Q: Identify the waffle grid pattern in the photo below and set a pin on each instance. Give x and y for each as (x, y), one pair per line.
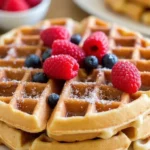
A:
(86, 99)
(20, 43)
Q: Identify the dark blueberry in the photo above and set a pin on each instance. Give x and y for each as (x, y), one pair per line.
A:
(91, 62)
(46, 54)
(52, 100)
(76, 38)
(33, 61)
(109, 60)
(40, 77)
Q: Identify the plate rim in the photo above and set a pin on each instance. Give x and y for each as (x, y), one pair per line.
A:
(116, 17)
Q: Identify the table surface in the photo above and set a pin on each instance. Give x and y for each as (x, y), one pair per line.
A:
(64, 8)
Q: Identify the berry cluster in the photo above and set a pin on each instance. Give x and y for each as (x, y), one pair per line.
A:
(64, 57)
(18, 5)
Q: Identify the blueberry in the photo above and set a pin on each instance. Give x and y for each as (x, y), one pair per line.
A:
(46, 54)
(76, 38)
(109, 60)
(40, 77)
(53, 99)
(33, 61)
(91, 62)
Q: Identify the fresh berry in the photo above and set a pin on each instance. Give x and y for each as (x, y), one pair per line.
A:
(2, 2)
(66, 47)
(16, 5)
(96, 44)
(126, 77)
(51, 34)
(91, 62)
(76, 39)
(40, 77)
(52, 100)
(33, 61)
(109, 60)
(61, 67)
(33, 3)
(46, 54)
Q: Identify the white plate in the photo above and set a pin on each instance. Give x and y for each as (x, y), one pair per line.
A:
(97, 7)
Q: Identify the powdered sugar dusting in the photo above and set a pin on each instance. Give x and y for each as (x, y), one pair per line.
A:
(31, 93)
(11, 54)
(7, 80)
(88, 95)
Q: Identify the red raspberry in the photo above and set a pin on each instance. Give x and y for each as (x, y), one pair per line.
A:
(96, 44)
(1, 3)
(61, 67)
(33, 3)
(51, 34)
(126, 77)
(66, 47)
(16, 5)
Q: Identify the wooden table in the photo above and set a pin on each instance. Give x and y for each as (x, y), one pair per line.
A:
(64, 8)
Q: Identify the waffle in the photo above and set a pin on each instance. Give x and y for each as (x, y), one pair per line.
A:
(141, 132)
(19, 99)
(140, 9)
(126, 45)
(19, 43)
(86, 102)
(15, 139)
(118, 142)
(22, 98)
(141, 144)
(91, 98)
(143, 2)
(19, 140)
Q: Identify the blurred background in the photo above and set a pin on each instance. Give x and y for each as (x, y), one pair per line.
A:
(66, 8)
(116, 11)
(57, 8)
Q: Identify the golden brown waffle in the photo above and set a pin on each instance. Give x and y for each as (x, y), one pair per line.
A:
(126, 45)
(142, 132)
(143, 2)
(19, 140)
(141, 144)
(118, 142)
(87, 101)
(140, 9)
(22, 101)
(19, 96)
(89, 108)
(19, 43)
(15, 139)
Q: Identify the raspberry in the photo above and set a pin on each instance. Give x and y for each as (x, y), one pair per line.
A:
(33, 3)
(51, 34)
(1, 3)
(126, 77)
(96, 44)
(16, 5)
(66, 47)
(61, 67)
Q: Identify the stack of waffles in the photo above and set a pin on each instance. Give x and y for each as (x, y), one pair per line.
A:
(138, 10)
(91, 114)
